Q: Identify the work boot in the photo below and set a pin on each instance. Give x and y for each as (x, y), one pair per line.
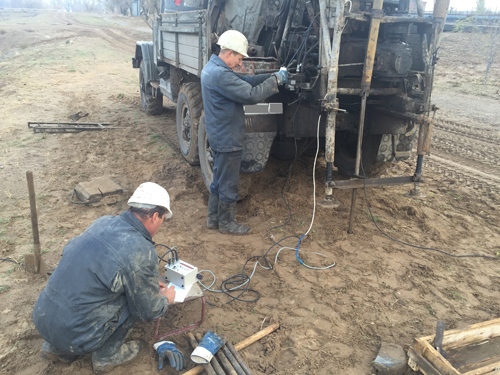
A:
(126, 354)
(53, 354)
(213, 210)
(227, 224)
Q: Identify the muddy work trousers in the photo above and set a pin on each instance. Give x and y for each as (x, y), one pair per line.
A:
(226, 175)
(106, 346)
(117, 339)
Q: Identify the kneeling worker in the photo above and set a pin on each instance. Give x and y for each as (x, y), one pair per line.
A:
(105, 282)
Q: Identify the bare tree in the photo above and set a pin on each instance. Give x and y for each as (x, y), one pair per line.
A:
(68, 5)
(32, 4)
(56, 4)
(91, 5)
(125, 7)
(109, 5)
(480, 7)
(485, 35)
(492, 44)
(151, 7)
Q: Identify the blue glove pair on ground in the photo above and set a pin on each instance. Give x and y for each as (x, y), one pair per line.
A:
(206, 349)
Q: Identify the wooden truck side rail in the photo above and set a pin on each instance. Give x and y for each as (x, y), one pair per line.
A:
(182, 39)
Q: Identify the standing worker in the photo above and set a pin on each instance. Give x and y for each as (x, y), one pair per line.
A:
(224, 94)
(106, 281)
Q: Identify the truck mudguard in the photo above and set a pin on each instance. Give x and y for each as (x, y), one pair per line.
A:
(145, 51)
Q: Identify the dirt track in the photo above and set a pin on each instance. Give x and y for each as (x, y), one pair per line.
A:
(332, 321)
(467, 153)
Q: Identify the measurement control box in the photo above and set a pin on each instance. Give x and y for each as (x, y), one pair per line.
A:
(181, 274)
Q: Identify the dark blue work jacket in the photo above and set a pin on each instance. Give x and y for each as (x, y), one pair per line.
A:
(224, 94)
(110, 266)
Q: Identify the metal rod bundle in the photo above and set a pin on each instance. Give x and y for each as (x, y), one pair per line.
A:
(209, 368)
(230, 354)
(217, 367)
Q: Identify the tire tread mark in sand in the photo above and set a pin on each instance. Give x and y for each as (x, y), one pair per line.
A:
(106, 33)
(490, 136)
(468, 153)
(485, 185)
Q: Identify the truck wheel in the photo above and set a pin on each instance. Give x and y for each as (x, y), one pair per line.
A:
(189, 108)
(345, 154)
(150, 105)
(207, 163)
(205, 152)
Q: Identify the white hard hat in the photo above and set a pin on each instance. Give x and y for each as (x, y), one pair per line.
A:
(150, 195)
(235, 41)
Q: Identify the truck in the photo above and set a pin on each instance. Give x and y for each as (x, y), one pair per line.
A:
(360, 75)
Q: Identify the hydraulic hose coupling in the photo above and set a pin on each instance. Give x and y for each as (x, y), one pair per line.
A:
(207, 348)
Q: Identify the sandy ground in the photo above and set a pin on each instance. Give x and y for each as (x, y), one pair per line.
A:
(331, 321)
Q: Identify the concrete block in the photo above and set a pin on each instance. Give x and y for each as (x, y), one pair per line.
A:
(391, 360)
(94, 190)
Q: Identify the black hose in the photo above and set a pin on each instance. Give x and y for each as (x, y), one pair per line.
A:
(308, 52)
(11, 260)
(281, 27)
(291, 12)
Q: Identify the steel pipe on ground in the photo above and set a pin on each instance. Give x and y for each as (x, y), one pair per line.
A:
(241, 345)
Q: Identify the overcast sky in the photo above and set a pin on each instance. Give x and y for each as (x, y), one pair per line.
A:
(467, 4)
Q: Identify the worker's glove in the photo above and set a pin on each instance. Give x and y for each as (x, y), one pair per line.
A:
(208, 346)
(282, 76)
(168, 348)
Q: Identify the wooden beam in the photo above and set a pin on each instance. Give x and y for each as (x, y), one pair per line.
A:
(434, 357)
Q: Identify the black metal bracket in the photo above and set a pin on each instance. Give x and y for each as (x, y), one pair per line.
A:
(417, 177)
(67, 127)
(371, 182)
(438, 340)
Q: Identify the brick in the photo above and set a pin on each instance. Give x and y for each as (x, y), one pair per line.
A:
(96, 189)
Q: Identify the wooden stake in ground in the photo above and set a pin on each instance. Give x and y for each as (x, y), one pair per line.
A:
(32, 261)
(240, 346)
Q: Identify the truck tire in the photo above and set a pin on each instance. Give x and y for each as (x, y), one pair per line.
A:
(345, 154)
(205, 153)
(207, 163)
(189, 108)
(150, 105)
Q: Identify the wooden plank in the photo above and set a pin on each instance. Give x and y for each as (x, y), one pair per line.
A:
(475, 356)
(473, 334)
(469, 335)
(485, 370)
(189, 28)
(183, 59)
(452, 339)
(434, 357)
(186, 39)
(183, 49)
(184, 16)
(170, 53)
(188, 69)
(189, 61)
(180, 29)
(423, 365)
